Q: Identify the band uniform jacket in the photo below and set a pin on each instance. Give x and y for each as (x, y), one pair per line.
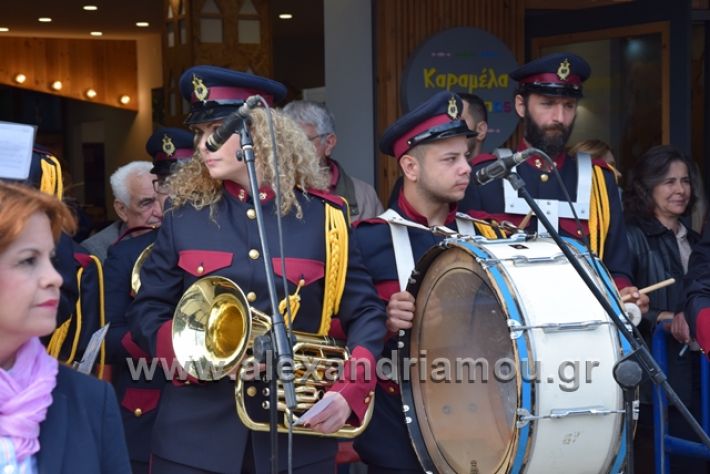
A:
(138, 394)
(82, 433)
(79, 302)
(197, 424)
(487, 202)
(386, 442)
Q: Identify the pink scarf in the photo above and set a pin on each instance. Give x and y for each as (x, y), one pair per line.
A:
(25, 395)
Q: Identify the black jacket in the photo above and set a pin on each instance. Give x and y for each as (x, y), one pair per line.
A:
(82, 432)
(655, 257)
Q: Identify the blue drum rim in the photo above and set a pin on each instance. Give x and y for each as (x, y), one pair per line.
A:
(526, 388)
(626, 349)
(403, 344)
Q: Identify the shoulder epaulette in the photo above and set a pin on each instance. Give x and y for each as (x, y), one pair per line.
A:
(327, 196)
(482, 158)
(82, 259)
(601, 163)
(372, 220)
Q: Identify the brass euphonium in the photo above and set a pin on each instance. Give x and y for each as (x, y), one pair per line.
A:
(136, 271)
(213, 333)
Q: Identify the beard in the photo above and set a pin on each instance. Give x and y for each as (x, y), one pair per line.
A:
(550, 139)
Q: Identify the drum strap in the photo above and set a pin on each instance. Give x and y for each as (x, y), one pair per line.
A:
(464, 224)
(403, 256)
(554, 208)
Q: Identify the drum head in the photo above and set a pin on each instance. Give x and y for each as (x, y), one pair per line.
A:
(461, 394)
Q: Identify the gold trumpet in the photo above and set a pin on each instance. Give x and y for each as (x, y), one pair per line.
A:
(213, 333)
(136, 271)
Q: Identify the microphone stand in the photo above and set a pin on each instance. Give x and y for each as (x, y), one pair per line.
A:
(640, 351)
(278, 347)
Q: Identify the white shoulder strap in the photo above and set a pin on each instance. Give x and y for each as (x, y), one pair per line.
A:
(553, 208)
(401, 244)
(464, 224)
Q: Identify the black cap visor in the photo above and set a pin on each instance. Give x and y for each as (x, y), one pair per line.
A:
(210, 111)
(162, 168)
(439, 132)
(552, 88)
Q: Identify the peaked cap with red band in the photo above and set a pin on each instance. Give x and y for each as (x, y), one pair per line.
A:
(215, 92)
(168, 146)
(554, 74)
(437, 118)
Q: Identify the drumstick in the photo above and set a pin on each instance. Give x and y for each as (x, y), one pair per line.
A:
(526, 220)
(650, 288)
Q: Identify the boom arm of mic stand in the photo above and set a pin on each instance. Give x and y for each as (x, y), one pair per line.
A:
(647, 362)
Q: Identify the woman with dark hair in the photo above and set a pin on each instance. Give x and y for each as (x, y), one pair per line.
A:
(658, 200)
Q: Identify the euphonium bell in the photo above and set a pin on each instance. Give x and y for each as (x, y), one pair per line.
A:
(213, 333)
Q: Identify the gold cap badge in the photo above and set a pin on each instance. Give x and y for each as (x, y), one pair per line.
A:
(453, 110)
(564, 70)
(168, 145)
(199, 88)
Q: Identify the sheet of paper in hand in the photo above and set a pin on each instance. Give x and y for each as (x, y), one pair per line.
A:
(321, 405)
(92, 350)
(16, 142)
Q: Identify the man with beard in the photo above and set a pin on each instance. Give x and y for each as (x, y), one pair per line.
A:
(546, 99)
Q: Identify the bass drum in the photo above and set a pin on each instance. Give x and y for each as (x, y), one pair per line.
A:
(508, 365)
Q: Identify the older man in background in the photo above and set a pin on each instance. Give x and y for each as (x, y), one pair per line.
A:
(319, 124)
(136, 203)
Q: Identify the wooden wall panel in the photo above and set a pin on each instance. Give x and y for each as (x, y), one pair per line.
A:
(229, 53)
(107, 66)
(401, 25)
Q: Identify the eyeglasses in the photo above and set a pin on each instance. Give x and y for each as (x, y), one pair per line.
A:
(160, 186)
(320, 135)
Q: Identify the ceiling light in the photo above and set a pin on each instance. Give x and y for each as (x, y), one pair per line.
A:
(44, 19)
(124, 99)
(142, 24)
(90, 8)
(90, 93)
(56, 85)
(20, 78)
(285, 16)
(4, 29)
(96, 33)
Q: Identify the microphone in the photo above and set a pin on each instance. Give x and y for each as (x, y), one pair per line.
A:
(505, 160)
(230, 124)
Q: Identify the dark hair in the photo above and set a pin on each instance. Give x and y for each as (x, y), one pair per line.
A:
(647, 173)
(478, 107)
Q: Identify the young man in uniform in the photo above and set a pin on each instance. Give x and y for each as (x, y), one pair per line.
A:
(431, 144)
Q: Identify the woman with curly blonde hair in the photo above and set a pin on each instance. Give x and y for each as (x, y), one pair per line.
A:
(298, 165)
(211, 230)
